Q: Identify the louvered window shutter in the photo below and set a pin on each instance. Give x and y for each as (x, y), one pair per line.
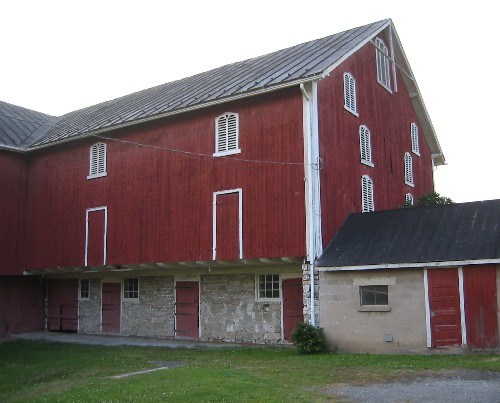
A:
(367, 203)
(408, 169)
(350, 93)
(97, 160)
(383, 75)
(414, 139)
(227, 140)
(409, 199)
(365, 144)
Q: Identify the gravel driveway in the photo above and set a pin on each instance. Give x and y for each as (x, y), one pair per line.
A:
(442, 387)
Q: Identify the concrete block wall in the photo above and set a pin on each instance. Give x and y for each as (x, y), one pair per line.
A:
(350, 330)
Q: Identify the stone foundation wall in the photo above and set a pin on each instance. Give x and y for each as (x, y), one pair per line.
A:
(90, 309)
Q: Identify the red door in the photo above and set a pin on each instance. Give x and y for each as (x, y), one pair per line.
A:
(480, 295)
(187, 309)
(62, 305)
(293, 305)
(111, 307)
(444, 304)
(227, 245)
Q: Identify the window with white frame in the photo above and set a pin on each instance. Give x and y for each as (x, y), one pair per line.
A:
(227, 134)
(383, 71)
(268, 286)
(409, 199)
(350, 94)
(374, 295)
(414, 139)
(409, 169)
(131, 288)
(84, 288)
(97, 166)
(367, 203)
(365, 146)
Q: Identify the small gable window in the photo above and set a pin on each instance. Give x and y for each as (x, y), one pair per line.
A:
(409, 199)
(97, 164)
(367, 204)
(350, 94)
(365, 146)
(227, 134)
(414, 139)
(383, 74)
(409, 170)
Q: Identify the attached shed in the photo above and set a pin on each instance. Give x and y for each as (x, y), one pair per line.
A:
(411, 279)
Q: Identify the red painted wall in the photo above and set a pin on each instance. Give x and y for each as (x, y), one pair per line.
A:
(160, 201)
(388, 117)
(12, 182)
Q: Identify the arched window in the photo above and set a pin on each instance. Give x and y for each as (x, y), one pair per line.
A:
(409, 199)
(367, 204)
(383, 72)
(365, 146)
(227, 134)
(350, 94)
(414, 138)
(97, 166)
(408, 169)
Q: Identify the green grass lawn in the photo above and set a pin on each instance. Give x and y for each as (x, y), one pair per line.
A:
(38, 371)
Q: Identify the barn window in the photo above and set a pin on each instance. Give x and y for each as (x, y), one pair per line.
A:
(374, 295)
(382, 56)
(414, 138)
(365, 146)
(409, 199)
(97, 164)
(268, 286)
(84, 288)
(227, 134)
(350, 94)
(409, 170)
(367, 204)
(131, 288)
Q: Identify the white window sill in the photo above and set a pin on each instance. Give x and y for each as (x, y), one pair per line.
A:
(351, 111)
(389, 90)
(415, 152)
(374, 308)
(410, 184)
(225, 153)
(97, 175)
(368, 163)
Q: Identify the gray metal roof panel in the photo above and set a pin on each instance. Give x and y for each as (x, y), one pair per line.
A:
(301, 62)
(457, 232)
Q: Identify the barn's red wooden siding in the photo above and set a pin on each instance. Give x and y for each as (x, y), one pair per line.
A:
(160, 202)
(388, 117)
(12, 182)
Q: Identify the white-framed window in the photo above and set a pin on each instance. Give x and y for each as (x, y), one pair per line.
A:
(350, 94)
(227, 134)
(409, 169)
(414, 139)
(409, 199)
(383, 70)
(367, 203)
(84, 288)
(268, 287)
(97, 161)
(131, 288)
(373, 295)
(365, 146)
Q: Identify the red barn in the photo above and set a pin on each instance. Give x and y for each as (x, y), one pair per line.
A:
(198, 208)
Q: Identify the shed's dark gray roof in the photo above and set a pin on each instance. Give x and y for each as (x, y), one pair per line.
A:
(21, 127)
(450, 233)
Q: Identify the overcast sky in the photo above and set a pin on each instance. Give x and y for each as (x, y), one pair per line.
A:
(60, 56)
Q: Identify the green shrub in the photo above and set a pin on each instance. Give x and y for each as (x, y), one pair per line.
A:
(309, 339)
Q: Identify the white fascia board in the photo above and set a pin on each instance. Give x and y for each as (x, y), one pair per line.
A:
(450, 263)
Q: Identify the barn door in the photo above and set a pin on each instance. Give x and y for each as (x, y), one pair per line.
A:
(62, 305)
(444, 307)
(227, 232)
(480, 294)
(111, 307)
(187, 309)
(95, 239)
(292, 305)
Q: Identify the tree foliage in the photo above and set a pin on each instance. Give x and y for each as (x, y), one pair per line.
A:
(433, 199)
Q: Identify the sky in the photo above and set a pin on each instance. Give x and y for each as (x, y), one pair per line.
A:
(59, 56)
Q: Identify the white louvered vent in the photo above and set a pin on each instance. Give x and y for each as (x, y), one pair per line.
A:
(227, 134)
(408, 170)
(414, 139)
(367, 203)
(383, 74)
(97, 161)
(350, 94)
(365, 146)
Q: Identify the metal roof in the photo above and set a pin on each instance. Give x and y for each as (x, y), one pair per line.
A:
(21, 127)
(417, 237)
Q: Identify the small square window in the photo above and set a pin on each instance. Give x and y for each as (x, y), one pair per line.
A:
(84, 289)
(268, 286)
(131, 288)
(374, 295)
